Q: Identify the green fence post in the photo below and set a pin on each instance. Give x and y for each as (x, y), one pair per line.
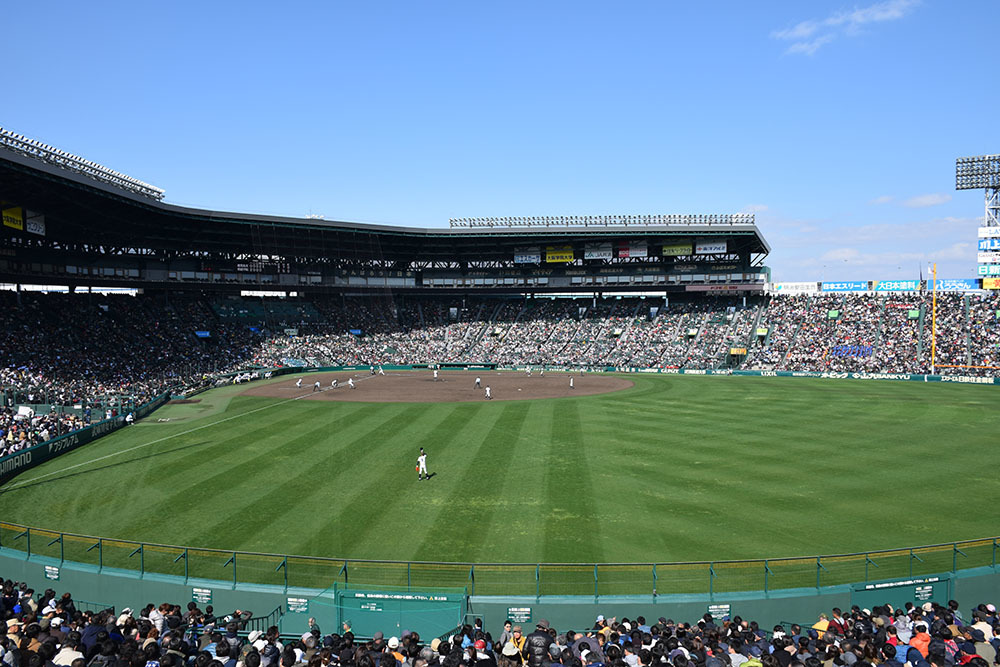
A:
(767, 572)
(654, 579)
(595, 582)
(138, 550)
(538, 582)
(99, 545)
(472, 578)
(819, 566)
(232, 560)
(912, 557)
(343, 571)
(61, 549)
(407, 576)
(993, 564)
(711, 581)
(954, 557)
(184, 555)
(869, 561)
(283, 565)
(27, 533)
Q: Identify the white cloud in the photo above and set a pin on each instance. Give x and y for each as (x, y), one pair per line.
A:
(884, 199)
(810, 35)
(811, 47)
(824, 250)
(803, 30)
(923, 201)
(754, 208)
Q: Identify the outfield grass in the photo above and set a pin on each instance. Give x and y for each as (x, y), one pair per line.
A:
(676, 468)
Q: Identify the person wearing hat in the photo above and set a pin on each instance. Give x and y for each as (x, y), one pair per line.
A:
(536, 645)
(479, 656)
(511, 652)
(393, 645)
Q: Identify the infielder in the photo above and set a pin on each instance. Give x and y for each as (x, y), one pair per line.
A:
(478, 383)
(435, 375)
(334, 383)
(422, 465)
(350, 382)
(316, 386)
(381, 371)
(298, 383)
(489, 396)
(570, 381)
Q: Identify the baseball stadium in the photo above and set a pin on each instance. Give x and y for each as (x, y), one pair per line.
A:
(616, 411)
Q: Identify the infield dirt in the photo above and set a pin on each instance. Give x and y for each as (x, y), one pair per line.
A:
(451, 386)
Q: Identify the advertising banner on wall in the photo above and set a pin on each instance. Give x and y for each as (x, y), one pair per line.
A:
(13, 218)
(849, 286)
(527, 256)
(677, 249)
(34, 223)
(954, 284)
(632, 249)
(597, 251)
(989, 244)
(897, 285)
(794, 288)
(991, 283)
(710, 247)
(557, 254)
(988, 270)
(988, 257)
(989, 232)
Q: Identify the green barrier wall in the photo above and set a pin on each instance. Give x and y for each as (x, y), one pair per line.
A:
(433, 612)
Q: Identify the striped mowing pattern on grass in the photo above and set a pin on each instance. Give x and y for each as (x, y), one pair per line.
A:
(677, 468)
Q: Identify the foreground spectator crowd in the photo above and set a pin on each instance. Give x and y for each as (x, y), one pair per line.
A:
(93, 356)
(47, 630)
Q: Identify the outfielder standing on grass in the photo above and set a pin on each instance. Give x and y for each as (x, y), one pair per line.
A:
(422, 465)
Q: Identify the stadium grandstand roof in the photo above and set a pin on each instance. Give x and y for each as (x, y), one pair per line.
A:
(108, 216)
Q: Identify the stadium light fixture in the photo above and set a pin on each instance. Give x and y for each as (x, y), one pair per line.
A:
(981, 172)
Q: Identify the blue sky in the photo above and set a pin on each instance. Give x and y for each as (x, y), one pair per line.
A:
(837, 123)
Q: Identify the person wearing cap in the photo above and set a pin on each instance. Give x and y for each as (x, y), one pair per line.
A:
(536, 645)
(479, 656)
(393, 645)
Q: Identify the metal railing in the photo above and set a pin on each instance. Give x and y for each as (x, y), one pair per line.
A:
(533, 579)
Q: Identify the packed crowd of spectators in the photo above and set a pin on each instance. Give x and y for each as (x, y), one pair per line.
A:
(50, 631)
(88, 353)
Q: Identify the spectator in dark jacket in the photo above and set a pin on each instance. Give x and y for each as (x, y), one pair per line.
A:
(536, 645)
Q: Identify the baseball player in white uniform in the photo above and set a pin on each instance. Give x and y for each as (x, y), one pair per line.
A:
(489, 395)
(298, 383)
(422, 465)
(350, 382)
(570, 381)
(479, 384)
(316, 386)
(435, 375)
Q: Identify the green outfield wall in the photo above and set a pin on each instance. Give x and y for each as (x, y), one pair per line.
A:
(438, 611)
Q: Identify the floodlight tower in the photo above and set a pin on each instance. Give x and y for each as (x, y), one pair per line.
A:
(981, 173)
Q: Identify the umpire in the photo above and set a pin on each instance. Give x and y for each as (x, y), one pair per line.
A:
(536, 645)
